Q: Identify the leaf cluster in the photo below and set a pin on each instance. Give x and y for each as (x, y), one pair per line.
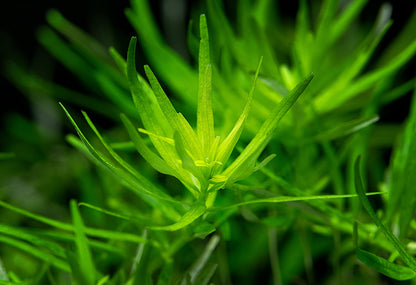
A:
(211, 168)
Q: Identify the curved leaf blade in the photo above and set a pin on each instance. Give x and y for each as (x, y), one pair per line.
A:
(385, 267)
(407, 258)
(188, 218)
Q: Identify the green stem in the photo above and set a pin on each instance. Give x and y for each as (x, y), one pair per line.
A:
(274, 257)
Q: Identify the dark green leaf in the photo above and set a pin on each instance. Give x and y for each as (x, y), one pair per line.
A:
(385, 267)
(407, 258)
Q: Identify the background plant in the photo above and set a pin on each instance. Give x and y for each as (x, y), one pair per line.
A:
(316, 145)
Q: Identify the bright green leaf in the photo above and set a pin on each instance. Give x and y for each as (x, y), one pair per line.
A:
(205, 118)
(152, 158)
(227, 145)
(69, 227)
(187, 219)
(245, 162)
(285, 199)
(84, 256)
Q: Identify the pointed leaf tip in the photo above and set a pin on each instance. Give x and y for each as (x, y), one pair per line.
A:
(131, 51)
(203, 27)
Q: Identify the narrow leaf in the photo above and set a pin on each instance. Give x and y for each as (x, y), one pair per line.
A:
(168, 210)
(203, 259)
(143, 96)
(69, 227)
(34, 251)
(69, 58)
(205, 118)
(187, 161)
(188, 164)
(341, 23)
(77, 36)
(188, 132)
(402, 200)
(184, 80)
(245, 162)
(119, 60)
(188, 135)
(54, 248)
(285, 199)
(204, 56)
(358, 60)
(407, 258)
(206, 275)
(368, 80)
(115, 93)
(347, 128)
(138, 256)
(385, 267)
(187, 219)
(167, 108)
(232, 138)
(264, 162)
(105, 211)
(69, 237)
(149, 110)
(138, 182)
(103, 280)
(152, 158)
(86, 264)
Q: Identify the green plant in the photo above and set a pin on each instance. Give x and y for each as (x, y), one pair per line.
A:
(272, 185)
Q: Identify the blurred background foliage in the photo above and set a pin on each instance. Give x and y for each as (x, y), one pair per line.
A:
(44, 172)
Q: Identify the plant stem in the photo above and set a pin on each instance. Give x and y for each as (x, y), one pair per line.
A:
(274, 257)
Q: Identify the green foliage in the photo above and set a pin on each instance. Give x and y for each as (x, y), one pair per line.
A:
(242, 163)
(402, 201)
(385, 267)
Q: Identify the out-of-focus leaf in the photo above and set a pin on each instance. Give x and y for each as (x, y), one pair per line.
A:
(18, 233)
(201, 262)
(347, 128)
(385, 267)
(285, 199)
(3, 272)
(85, 263)
(227, 145)
(171, 68)
(166, 274)
(6, 155)
(407, 258)
(69, 227)
(402, 200)
(35, 251)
